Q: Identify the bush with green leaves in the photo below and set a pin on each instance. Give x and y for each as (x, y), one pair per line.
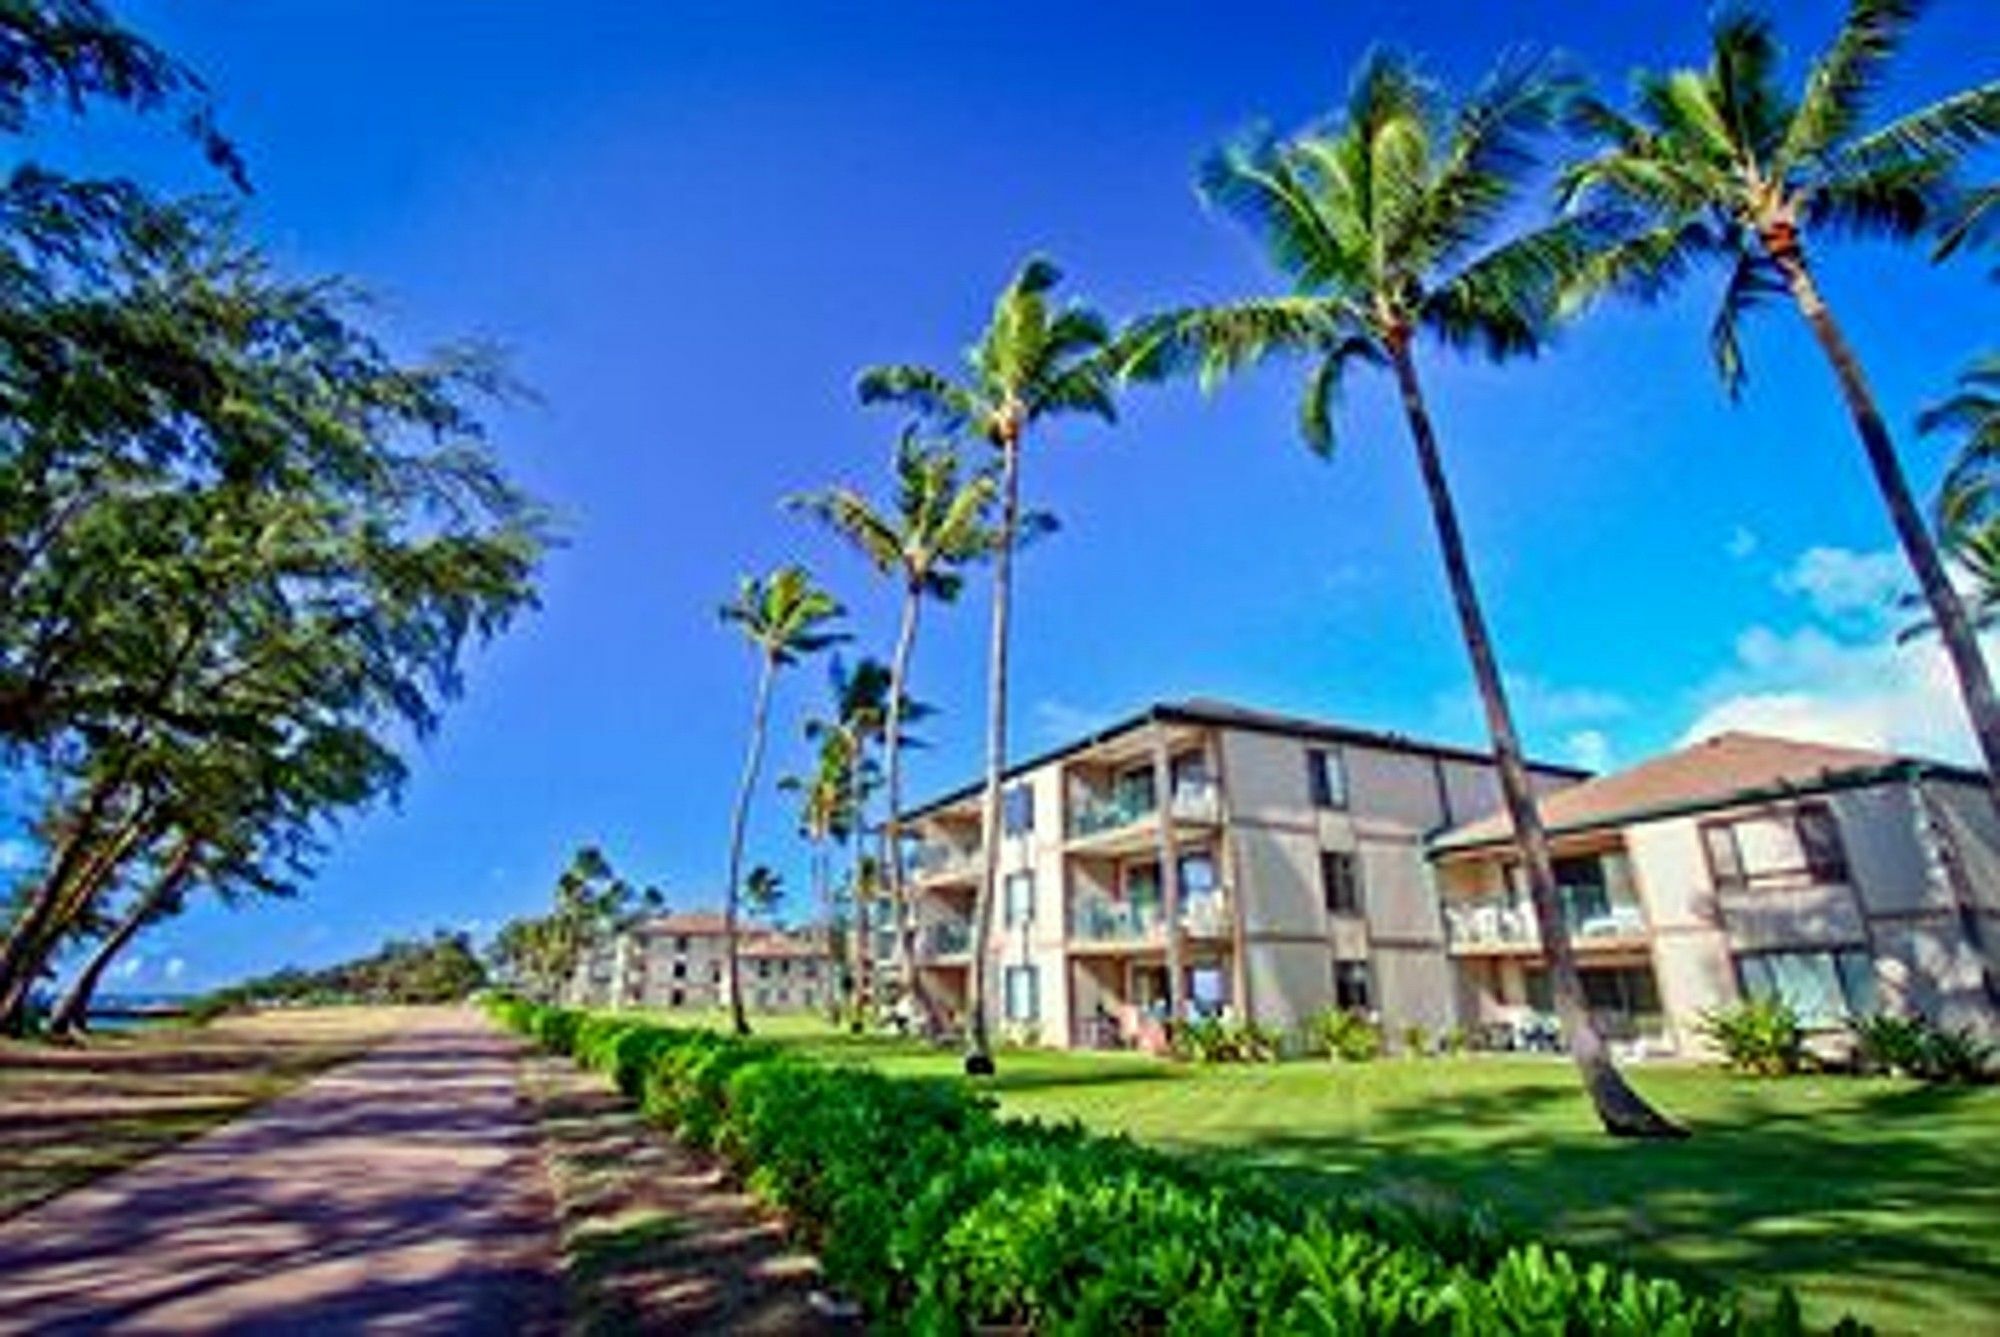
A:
(1757, 1035)
(1213, 1040)
(1345, 1034)
(942, 1217)
(1916, 1046)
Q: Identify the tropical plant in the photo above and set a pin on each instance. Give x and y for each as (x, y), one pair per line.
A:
(1383, 222)
(785, 616)
(937, 523)
(763, 890)
(1968, 504)
(1757, 1035)
(1724, 166)
(825, 818)
(1916, 1046)
(1034, 361)
(1345, 1034)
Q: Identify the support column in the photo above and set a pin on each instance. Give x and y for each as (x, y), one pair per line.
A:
(1168, 850)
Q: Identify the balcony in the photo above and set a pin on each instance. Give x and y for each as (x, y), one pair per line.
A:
(1099, 920)
(1194, 800)
(940, 861)
(946, 937)
(1491, 923)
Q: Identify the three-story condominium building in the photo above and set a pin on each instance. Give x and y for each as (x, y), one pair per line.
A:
(681, 960)
(1277, 862)
(1841, 880)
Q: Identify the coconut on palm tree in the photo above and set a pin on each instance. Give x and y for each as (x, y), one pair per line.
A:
(1726, 166)
(1034, 361)
(936, 524)
(1386, 223)
(785, 616)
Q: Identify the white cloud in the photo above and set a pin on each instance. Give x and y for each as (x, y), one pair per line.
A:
(1589, 748)
(1840, 582)
(1537, 704)
(129, 968)
(16, 854)
(1742, 543)
(1842, 677)
(176, 967)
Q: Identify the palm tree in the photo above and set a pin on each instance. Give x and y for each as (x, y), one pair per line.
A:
(1968, 503)
(824, 819)
(1380, 221)
(937, 523)
(762, 890)
(1722, 165)
(785, 617)
(1033, 361)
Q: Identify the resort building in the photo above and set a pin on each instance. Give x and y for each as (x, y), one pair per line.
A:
(1277, 862)
(1841, 880)
(1232, 862)
(681, 960)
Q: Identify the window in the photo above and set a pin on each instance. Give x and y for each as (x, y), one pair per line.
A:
(1207, 991)
(1189, 775)
(1023, 994)
(715, 970)
(1822, 987)
(1017, 810)
(1819, 839)
(1133, 791)
(1326, 776)
(1020, 899)
(1197, 874)
(1340, 880)
(1725, 856)
(681, 943)
(680, 970)
(1352, 989)
(678, 997)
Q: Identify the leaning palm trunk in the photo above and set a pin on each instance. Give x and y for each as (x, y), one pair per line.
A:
(54, 910)
(892, 840)
(1954, 628)
(978, 1043)
(72, 1015)
(1622, 1110)
(737, 825)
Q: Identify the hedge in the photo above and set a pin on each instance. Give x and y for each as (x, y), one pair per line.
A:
(940, 1216)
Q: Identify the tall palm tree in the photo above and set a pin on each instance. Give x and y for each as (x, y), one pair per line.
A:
(1725, 166)
(1381, 221)
(785, 616)
(936, 524)
(1968, 502)
(824, 819)
(1033, 361)
(861, 708)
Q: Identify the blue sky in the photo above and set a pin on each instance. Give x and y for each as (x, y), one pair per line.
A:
(693, 223)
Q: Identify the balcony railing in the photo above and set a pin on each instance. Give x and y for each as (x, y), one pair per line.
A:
(1498, 921)
(934, 857)
(1193, 801)
(1100, 919)
(946, 937)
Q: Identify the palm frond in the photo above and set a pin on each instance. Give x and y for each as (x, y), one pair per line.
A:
(850, 514)
(1751, 279)
(1262, 189)
(1212, 342)
(1492, 149)
(928, 392)
(1895, 198)
(1846, 77)
(1948, 128)
(1321, 401)
(1971, 219)
(1639, 263)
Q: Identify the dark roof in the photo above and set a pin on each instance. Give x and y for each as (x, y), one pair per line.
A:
(1225, 715)
(1721, 772)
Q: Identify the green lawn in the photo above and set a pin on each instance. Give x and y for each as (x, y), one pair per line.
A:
(1874, 1196)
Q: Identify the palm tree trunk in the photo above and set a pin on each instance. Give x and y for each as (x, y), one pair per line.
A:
(892, 825)
(737, 826)
(978, 1043)
(863, 969)
(1961, 644)
(1623, 1112)
(73, 1013)
(18, 959)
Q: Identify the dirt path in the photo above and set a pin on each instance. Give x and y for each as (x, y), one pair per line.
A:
(656, 1238)
(402, 1192)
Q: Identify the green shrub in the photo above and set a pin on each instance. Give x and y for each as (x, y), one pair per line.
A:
(1916, 1046)
(942, 1217)
(1416, 1041)
(1344, 1034)
(1212, 1040)
(1757, 1035)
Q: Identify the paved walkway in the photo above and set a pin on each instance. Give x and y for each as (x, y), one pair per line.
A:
(402, 1192)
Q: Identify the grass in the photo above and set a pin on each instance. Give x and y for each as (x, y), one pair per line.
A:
(70, 1114)
(1877, 1197)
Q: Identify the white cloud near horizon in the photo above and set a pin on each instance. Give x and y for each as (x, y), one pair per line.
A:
(1742, 544)
(1841, 677)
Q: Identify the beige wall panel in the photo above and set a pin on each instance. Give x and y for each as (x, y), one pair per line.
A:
(1672, 873)
(1289, 982)
(1414, 988)
(1280, 871)
(1694, 971)
(1393, 787)
(1266, 776)
(1926, 966)
(1397, 894)
(1885, 853)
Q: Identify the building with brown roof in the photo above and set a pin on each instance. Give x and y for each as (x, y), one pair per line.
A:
(680, 961)
(1843, 880)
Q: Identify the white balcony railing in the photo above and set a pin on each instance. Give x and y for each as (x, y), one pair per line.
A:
(1100, 919)
(934, 858)
(1500, 921)
(1195, 799)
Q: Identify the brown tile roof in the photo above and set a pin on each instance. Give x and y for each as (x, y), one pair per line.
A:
(694, 923)
(782, 944)
(1713, 772)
